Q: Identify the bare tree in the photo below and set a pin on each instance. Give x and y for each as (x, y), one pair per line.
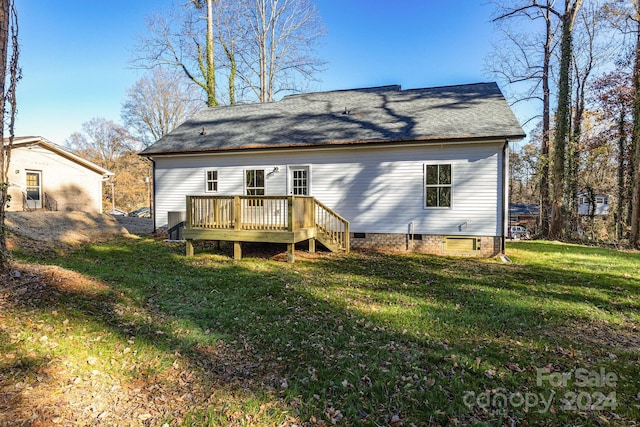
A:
(265, 47)
(594, 47)
(563, 118)
(8, 104)
(178, 39)
(158, 103)
(281, 37)
(524, 57)
(634, 237)
(101, 141)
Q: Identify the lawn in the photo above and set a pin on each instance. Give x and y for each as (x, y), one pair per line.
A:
(130, 332)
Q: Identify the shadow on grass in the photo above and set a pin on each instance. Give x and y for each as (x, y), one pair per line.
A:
(372, 335)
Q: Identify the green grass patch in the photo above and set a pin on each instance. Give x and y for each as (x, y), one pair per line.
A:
(363, 339)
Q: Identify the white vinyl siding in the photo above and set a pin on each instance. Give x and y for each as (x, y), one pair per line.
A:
(379, 190)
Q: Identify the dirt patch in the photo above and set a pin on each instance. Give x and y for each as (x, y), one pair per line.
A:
(48, 230)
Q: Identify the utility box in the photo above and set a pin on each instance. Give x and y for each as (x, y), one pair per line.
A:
(175, 224)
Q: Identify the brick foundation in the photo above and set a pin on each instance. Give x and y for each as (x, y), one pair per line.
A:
(429, 244)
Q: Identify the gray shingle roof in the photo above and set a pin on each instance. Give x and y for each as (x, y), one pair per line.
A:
(358, 116)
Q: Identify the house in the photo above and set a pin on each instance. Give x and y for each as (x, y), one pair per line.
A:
(525, 214)
(593, 204)
(45, 176)
(422, 170)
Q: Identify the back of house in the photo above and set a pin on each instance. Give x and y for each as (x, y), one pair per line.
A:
(421, 170)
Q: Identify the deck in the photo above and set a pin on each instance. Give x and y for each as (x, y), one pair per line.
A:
(267, 219)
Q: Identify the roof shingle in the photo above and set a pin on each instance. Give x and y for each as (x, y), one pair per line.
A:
(357, 116)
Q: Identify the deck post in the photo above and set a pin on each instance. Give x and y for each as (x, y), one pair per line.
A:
(237, 213)
(237, 225)
(189, 247)
(312, 245)
(291, 252)
(290, 215)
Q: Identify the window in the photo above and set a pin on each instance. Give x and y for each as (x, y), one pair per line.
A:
(211, 181)
(254, 182)
(254, 185)
(437, 186)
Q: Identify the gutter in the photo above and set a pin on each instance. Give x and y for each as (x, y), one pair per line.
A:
(504, 198)
(400, 142)
(152, 208)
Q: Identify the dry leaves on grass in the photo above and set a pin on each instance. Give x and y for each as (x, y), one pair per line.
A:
(46, 390)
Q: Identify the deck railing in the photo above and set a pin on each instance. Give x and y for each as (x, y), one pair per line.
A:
(331, 226)
(270, 213)
(267, 213)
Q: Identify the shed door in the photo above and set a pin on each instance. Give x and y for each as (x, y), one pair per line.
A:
(34, 189)
(299, 181)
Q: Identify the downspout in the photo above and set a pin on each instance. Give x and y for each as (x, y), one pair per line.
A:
(505, 194)
(153, 195)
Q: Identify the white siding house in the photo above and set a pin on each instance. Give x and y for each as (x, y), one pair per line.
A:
(407, 169)
(45, 176)
(595, 204)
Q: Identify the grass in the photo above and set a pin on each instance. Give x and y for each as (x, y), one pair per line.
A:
(363, 339)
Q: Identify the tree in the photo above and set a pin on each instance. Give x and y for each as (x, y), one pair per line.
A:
(110, 145)
(281, 36)
(563, 118)
(158, 103)
(524, 57)
(8, 68)
(613, 96)
(634, 237)
(593, 48)
(266, 47)
(101, 141)
(178, 40)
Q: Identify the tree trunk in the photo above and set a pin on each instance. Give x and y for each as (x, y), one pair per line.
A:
(634, 238)
(563, 119)
(5, 25)
(233, 70)
(620, 217)
(211, 67)
(546, 131)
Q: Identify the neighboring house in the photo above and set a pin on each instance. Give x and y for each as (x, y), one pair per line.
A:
(525, 214)
(596, 204)
(421, 169)
(43, 175)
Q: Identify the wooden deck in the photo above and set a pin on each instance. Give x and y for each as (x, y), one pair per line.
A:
(269, 219)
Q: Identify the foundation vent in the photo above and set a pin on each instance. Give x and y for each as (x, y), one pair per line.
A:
(461, 245)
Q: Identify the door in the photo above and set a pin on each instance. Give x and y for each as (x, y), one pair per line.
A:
(34, 189)
(299, 181)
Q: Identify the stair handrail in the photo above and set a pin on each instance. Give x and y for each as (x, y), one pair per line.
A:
(341, 233)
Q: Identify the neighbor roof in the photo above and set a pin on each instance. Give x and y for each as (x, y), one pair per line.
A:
(358, 116)
(26, 141)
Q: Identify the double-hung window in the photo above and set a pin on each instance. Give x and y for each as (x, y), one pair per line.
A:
(211, 181)
(438, 186)
(254, 184)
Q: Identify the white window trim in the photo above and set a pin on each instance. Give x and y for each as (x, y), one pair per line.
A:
(424, 186)
(244, 178)
(206, 181)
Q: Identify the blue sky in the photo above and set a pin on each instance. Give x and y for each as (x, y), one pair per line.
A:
(75, 54)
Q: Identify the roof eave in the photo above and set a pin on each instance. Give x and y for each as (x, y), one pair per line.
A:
(376, 142)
